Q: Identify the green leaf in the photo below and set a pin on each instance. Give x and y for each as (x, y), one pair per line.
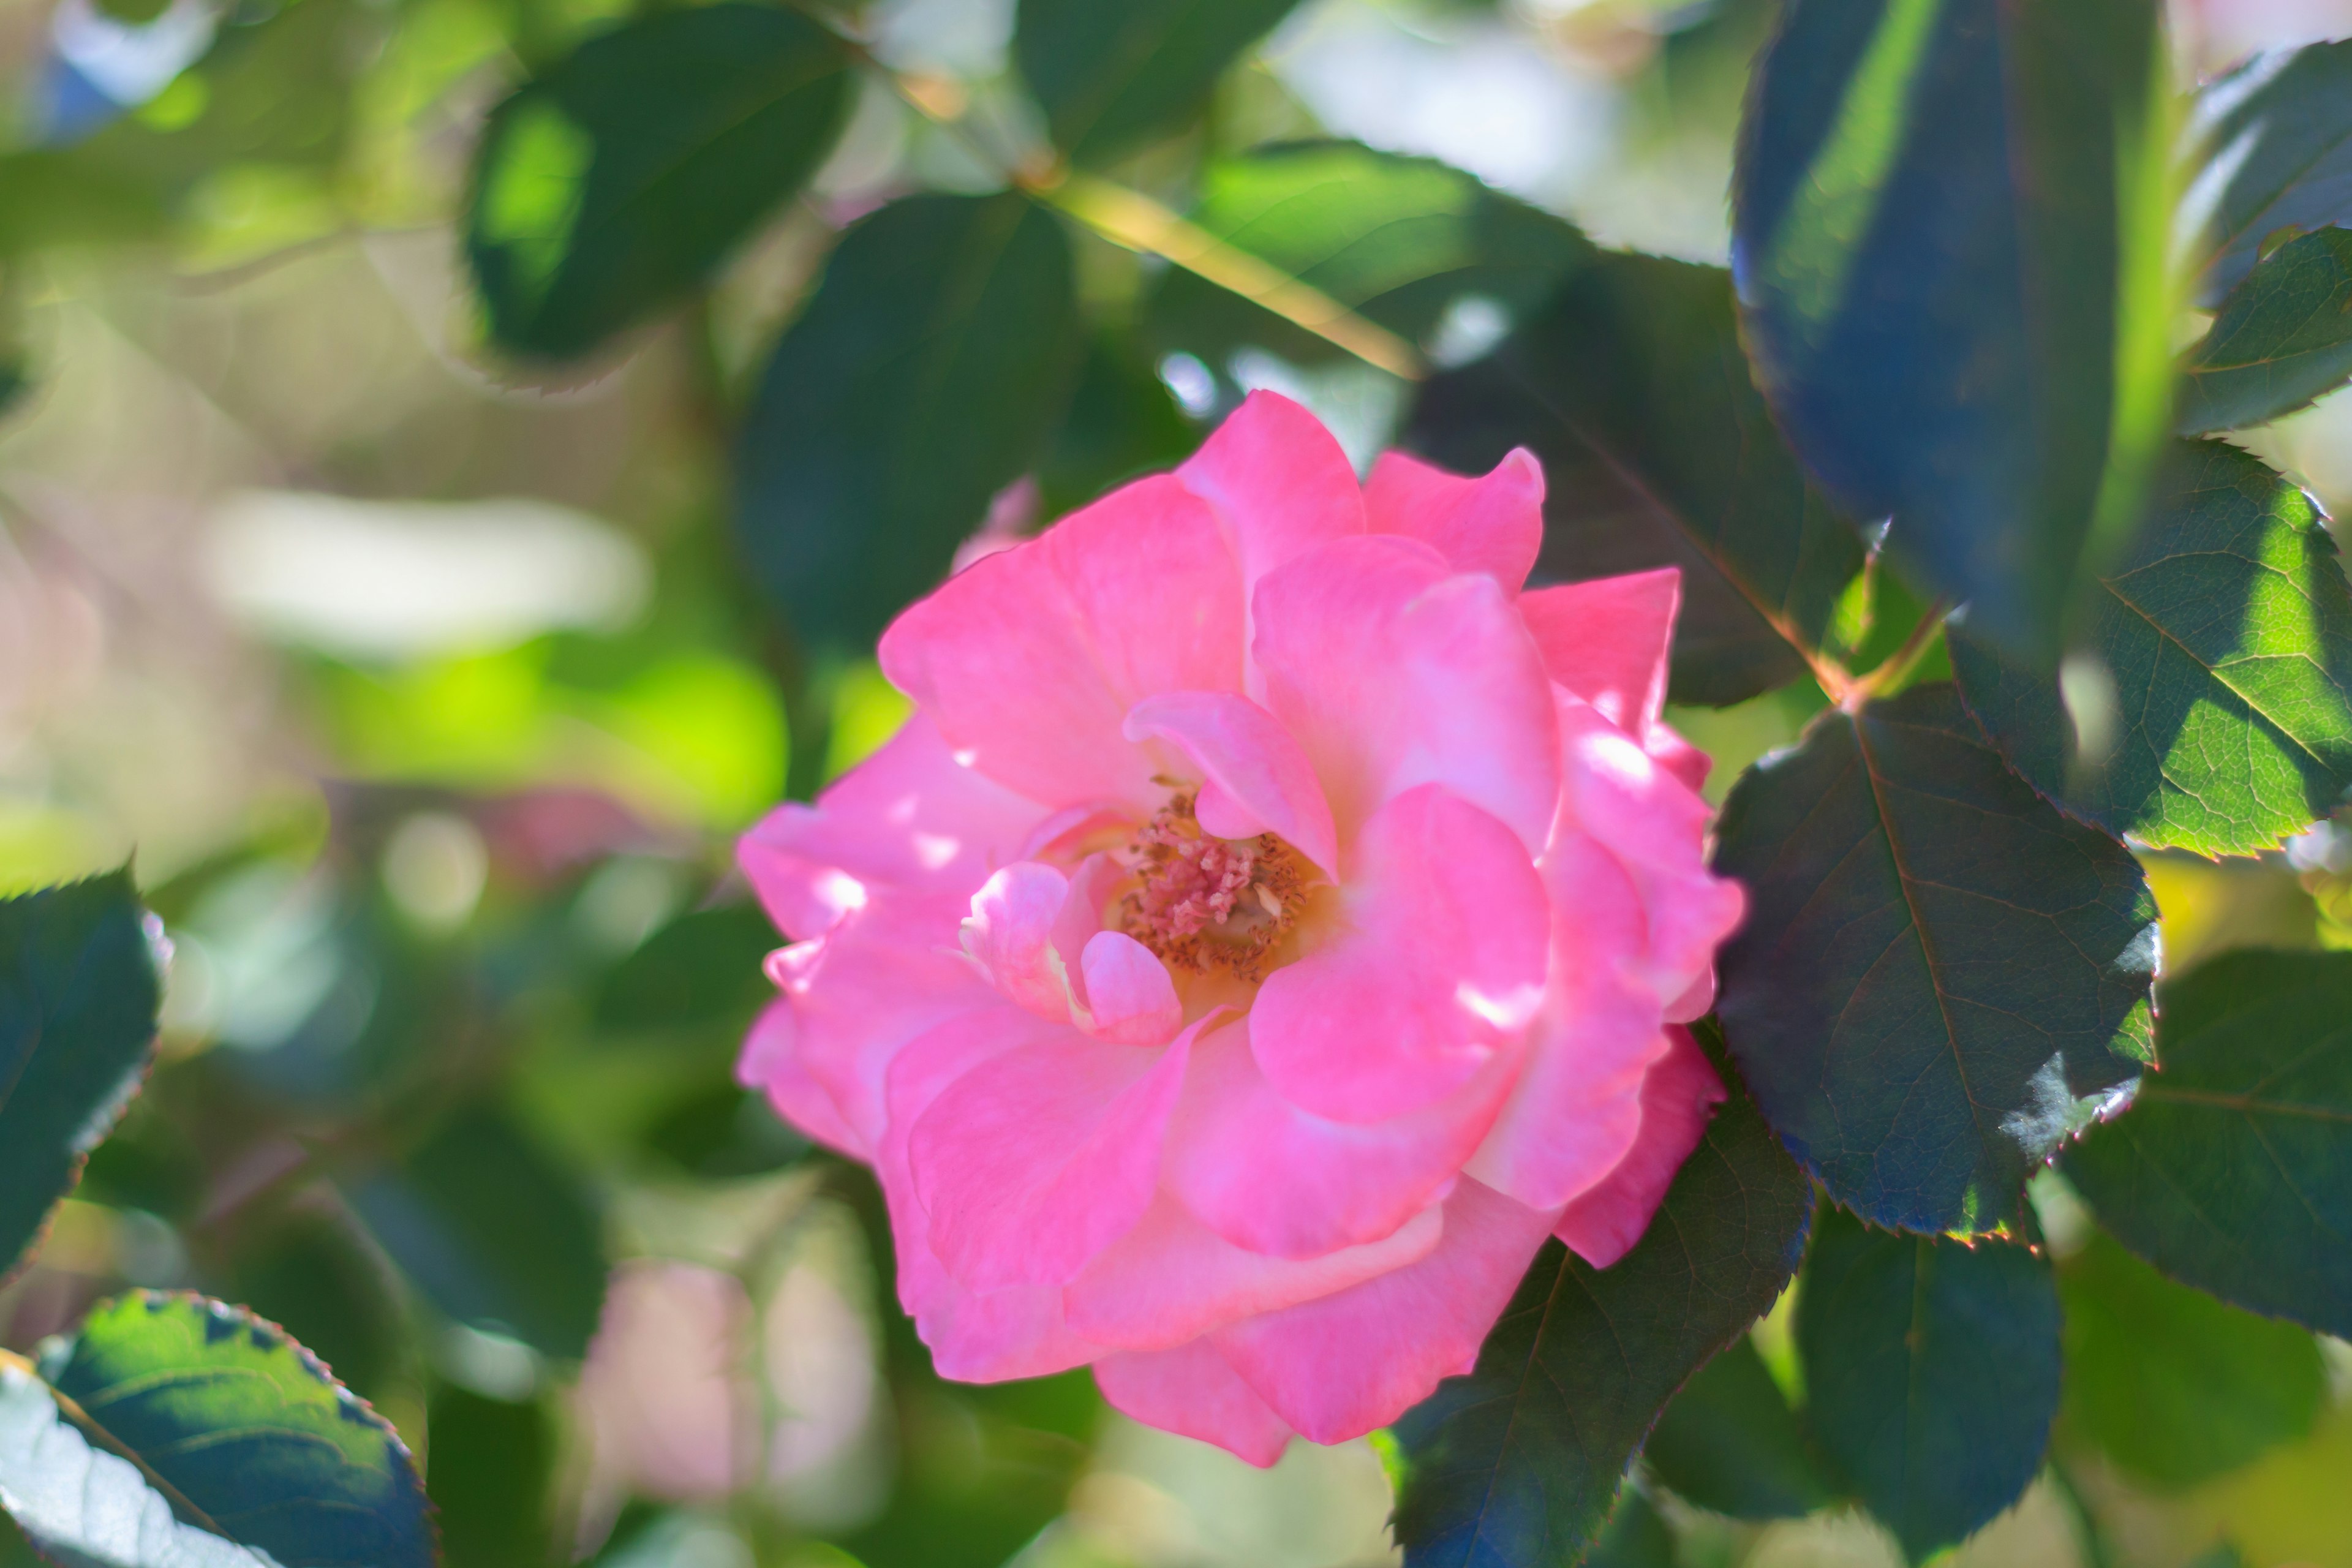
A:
(2233, 1169)
(1940, 974)
(925, 375)
(1730, 1443)
(494, 1466)
(1947, 316)
(1931, 1373)
(78, 997)
(623, 178)
(2177, 1386)
(1517, 1464)
(239, 1426)
(1398, 240)
(2283, 338)
(494, 1233)
(2277, 132)
(701, 970)
(1637, 1536)
(1632, 388)
(1121, 423)
(2226, 631)
(313, 1275)
(1111, 76)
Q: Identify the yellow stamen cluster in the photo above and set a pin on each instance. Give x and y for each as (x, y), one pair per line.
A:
(1204, 903)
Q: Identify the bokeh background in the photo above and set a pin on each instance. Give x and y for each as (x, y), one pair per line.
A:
(428, 693)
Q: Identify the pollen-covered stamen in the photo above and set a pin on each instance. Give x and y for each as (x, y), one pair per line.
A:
(1204, 903)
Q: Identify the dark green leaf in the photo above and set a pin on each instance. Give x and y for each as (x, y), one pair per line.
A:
(495, 1234)
(1658, 451)
(315, 1276)
(699, 969)
(2283, 338)
(2177, 1386)
(1121, 423)
(1637, 1536)
(926, 376)
(1939, 974)
(623, 178)
(2278, 133)
(1730, 1443)
(1516, 1464)
(2233, 1169)
(1951, 323)
(493, 1467)
(1398, 240)
(245, 1431)
(77, 998)
(724, 1132)
(1112, 75)
(1931, 1373)
(2226, 630)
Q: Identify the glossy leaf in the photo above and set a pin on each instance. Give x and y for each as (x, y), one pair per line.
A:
(1632, 387)
(2277, 133)
(1940, 975)
(2177, 1386)
(1945, 311)
(78, 997)
(1931, 1373)
(244, 1430)
(1517, 1464)
(2233, 1169)
(1111, 76)
(2226, 632)
(622, 178)
(925, 375)
(2283, 338)
(494, 1233)
(1730, 1443)
(1400, 241)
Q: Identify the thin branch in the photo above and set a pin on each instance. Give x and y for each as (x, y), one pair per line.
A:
(1890, 673)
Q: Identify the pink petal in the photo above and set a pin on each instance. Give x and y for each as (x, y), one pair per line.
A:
(907, 816)
(1392, 671)
(771, 1062)
(1270, 1177)
(1030, 660)
(1279, 483)
(1039, 1158)
(1677, 1099)
(1254, 779)
(1492, 524)
(1608, 641)
(1171, 1278)
(1010, 936)
(1439, 961)
(1347, 1364)
(1129, 993)
(1191, 1391)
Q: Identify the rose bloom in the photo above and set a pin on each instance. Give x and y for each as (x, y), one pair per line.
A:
(1271, 925)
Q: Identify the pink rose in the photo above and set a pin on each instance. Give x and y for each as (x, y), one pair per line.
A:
(1271, 925)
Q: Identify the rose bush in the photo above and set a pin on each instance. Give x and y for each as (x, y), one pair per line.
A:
(1271, 925)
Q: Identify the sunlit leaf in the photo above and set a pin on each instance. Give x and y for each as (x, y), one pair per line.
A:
(1517, 1464)
(926, 374)
(1730, 1443)
(622, 178)
(1947, 316)
(2283, 338)
(1931, 1373)
(2277, 134)
(1111, 76)
(1632, 388)
(2224, 639)
(1940, 974)
(2233, 1169)
(78, 997)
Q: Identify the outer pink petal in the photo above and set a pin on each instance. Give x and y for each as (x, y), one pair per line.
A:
(1608, 641)
(1171, 1278)
(1029, 660)
(1394, 671)
(1278, 481)
(1009, 935)
(1191, 1391)
(1274, 1179)
(1130, 997)
(1254, 778)
(1340, 1366)
(1492, 524)
(1677, 1099)
(1039, 1158)
(907, 816)
(771, 1062)
(1441, 960)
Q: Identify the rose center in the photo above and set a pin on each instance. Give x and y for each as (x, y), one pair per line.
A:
(1204, 903)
